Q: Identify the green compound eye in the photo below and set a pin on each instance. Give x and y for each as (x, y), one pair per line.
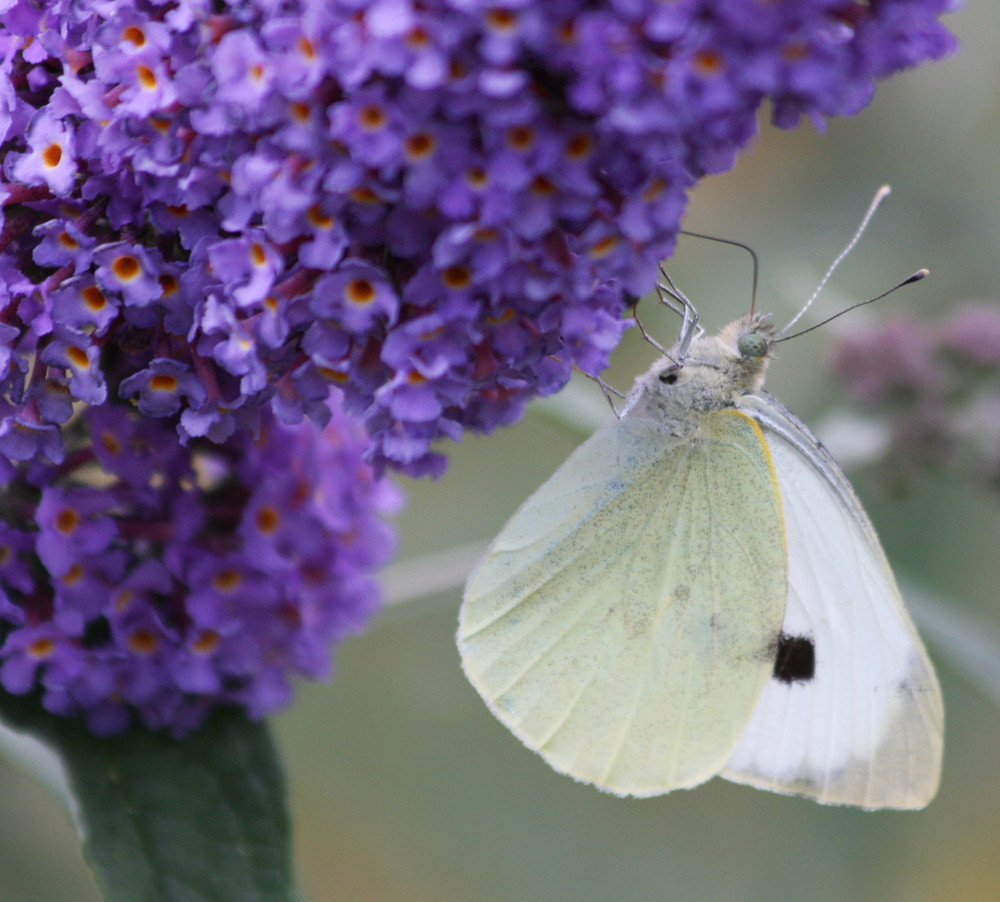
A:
(752, 344)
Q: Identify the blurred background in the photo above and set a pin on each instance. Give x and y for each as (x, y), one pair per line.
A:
(405, 789)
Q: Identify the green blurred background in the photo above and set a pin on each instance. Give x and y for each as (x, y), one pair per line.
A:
(404, 788)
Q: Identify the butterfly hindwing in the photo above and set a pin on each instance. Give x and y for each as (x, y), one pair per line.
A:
(602, 628)
(863, 724)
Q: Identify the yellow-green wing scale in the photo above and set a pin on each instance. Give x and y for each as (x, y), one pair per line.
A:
(603, 627)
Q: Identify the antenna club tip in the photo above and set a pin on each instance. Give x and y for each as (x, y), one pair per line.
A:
(916, 277)
(883, 191)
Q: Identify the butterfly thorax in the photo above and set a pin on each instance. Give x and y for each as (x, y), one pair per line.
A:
(713, 374)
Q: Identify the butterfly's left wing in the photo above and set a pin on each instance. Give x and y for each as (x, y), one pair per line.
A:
(853, 713)
(624, 621)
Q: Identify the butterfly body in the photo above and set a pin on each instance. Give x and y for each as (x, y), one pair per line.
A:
(697, 591)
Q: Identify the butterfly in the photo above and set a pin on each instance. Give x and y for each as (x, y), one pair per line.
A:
(697, 591)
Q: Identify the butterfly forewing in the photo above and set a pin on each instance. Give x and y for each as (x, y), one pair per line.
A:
(865, 726)
(605, 631)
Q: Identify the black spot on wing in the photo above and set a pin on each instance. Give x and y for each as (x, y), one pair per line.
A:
(794, 659)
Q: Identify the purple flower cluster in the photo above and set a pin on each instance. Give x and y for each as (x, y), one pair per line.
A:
(215, 210)
(935, 388)
(142, 580)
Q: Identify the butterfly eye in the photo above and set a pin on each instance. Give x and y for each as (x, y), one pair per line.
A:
(669, 375)
(752, 344)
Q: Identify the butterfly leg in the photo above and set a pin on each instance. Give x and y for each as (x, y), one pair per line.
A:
(675, 300)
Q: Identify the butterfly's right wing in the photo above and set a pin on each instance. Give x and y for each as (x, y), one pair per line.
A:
(624, 621)
(853, 715)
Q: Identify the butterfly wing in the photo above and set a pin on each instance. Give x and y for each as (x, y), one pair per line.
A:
(853, 713)
(602, 626)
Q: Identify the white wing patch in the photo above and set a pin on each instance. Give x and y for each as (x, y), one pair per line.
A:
(602, 627)
(866, 727)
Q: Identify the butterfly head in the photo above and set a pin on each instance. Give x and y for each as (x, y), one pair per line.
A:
(750, 338)
(739, 354)
(709, 373)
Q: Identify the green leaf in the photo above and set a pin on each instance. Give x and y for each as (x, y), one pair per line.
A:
(201, 819)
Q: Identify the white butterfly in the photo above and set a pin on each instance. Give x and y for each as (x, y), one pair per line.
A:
(697, 591)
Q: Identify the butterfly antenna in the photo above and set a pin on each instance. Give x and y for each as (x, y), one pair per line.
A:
(916, 277)
(880, 195)
(747, 248)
